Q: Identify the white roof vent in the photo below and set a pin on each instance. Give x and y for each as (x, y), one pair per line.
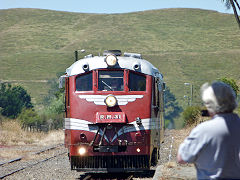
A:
(134, 55)
(88, 56)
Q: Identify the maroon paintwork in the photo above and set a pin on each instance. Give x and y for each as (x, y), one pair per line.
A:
(122, 115)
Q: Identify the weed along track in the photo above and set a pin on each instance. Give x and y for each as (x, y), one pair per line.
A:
(15, 165)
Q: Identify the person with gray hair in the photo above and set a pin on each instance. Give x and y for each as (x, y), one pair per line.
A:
(218, 97)
(214, 146)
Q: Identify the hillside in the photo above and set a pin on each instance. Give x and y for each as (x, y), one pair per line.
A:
(187, 45)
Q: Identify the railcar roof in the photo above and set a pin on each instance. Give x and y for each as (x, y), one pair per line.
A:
(98, 62)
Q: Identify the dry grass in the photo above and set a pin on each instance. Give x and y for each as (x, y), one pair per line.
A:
(54, 137)
(171, 164)
(167, 169)
(12, 137)
(12, 134)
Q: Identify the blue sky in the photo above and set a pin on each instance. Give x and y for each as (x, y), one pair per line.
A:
(111, 6)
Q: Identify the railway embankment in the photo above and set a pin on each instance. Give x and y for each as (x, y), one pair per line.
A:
(168, 168)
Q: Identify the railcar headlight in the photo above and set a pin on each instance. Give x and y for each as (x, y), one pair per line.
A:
(110, 101)
(82, 151)
(111, 60)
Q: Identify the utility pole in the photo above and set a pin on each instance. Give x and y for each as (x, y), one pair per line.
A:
(191, 92)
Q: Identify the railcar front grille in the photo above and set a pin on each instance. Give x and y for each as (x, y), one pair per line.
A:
(110, 162)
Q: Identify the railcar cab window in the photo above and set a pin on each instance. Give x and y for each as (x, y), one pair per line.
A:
(84, 82)
(110, 81)
(137, 82)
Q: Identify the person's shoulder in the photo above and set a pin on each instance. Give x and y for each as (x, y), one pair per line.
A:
(208, 125)
(232, 116)
(225, 117)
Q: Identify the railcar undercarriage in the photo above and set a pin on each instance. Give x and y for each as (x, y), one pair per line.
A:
(122, 163)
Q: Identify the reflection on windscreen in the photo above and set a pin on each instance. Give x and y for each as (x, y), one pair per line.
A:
(110, 81)
(137, 82)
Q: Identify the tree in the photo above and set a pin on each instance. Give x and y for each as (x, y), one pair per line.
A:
(232, 83)
(54, 104)
(13, 100)
(235, 87)
(54, 91)
(172, 109)
(236, 7)
(54, 101)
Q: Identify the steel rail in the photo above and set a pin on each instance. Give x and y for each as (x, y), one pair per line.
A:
(31, 165)
(35, 153)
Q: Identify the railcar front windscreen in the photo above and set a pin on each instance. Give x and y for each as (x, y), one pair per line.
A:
(137, 82)
(84, 82)
(110, 81)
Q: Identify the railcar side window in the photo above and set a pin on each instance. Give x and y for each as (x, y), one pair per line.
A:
(84, 82)
(110, 81)
(137, 82)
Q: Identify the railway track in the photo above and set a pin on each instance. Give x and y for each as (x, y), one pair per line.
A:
(56, 166)
(18, 164)
(116, 176)
(110, 176)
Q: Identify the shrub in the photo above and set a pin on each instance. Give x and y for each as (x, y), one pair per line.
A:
(55, 121)
(56, 106)
(29, 117)
(191, 115)
(53, 113)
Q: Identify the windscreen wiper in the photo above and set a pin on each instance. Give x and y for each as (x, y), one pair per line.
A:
(107, 85)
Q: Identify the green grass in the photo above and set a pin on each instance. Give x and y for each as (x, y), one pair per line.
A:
(187, 45)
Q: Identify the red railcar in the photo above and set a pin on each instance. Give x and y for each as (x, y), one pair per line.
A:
(114, 113)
